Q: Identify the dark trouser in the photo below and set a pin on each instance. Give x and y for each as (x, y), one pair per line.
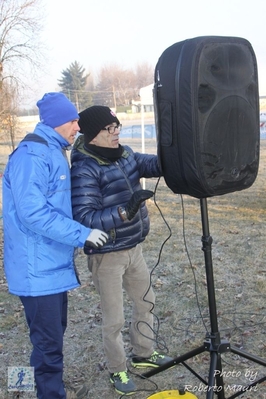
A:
(47, 320)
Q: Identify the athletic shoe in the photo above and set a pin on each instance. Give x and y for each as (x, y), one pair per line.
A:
(155, 360)
(79, 393)
(122, 383)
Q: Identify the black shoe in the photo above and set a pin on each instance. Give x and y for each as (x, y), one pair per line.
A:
(122, 383)
(155, 360)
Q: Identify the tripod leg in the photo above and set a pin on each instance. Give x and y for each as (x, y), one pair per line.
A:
(219, 378)
(215, 381)
(248, 356)
(175, 361)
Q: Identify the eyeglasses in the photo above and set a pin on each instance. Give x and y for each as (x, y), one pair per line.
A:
(111, 129)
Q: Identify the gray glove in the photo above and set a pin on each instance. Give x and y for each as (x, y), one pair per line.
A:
(133, 204)
(96, 239)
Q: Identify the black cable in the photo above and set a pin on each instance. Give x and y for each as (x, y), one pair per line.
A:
(155, 386)
(190, 263)
(155, 331)
(160, 342)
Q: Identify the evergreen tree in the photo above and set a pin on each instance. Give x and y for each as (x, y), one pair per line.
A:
(73, 85)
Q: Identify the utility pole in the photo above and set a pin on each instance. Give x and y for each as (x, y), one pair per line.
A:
(114, 97)
(77, 101)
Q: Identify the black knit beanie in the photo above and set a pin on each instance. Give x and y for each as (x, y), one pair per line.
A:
(93, 119)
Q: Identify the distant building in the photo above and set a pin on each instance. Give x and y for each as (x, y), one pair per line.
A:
(146, 100)
(262, 102)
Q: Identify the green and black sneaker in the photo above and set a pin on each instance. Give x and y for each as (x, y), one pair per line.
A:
(155, 360)
(122, 383)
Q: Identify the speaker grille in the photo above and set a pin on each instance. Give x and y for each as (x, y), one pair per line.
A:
(229, 151)
(207, 115)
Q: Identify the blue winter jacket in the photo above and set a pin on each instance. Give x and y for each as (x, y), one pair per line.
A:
(39, 231)
(99, 186)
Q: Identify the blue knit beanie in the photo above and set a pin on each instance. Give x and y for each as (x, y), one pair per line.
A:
(55, 109)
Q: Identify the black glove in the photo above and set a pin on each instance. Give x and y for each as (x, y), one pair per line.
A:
(133, 204)
(96, 239)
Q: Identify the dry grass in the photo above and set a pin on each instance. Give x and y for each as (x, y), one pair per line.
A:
(176, 260)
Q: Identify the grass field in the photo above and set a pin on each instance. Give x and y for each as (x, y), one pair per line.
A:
(173, 251)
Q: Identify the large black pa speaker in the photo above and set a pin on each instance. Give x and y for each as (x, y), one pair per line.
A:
(207, 115)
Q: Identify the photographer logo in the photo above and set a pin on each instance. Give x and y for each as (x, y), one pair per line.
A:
(20, 378)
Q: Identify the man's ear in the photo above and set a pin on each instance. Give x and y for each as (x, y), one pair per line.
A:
(94, 140)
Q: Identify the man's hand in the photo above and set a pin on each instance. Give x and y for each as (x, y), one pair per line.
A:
(133, 204)
(96, 239)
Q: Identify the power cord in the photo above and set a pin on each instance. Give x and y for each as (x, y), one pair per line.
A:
(160, 342)
(190, 263)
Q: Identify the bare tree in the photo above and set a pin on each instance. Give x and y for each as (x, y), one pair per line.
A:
(144, 74)
(117, 86)
(20, 51)
(7, 115)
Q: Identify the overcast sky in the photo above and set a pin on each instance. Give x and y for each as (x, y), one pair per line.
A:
(101, 32)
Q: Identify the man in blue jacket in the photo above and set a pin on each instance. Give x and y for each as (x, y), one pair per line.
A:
(40, 236)
(107, 195)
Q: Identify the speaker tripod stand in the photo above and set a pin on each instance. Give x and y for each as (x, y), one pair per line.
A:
(212, 342)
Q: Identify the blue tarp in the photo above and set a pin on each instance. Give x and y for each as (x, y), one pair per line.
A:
(262, 134)
(134, 131)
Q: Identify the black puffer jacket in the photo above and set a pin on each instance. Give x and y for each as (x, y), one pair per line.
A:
(100, 186)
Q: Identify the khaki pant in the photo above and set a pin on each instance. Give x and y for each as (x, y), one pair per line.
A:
(111, 273)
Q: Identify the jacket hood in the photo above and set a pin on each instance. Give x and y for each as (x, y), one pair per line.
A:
(51, 136)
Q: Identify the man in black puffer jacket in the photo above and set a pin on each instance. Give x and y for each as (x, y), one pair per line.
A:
(107, 195)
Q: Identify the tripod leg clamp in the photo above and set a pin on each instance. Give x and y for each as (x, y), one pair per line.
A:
(221, 347)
